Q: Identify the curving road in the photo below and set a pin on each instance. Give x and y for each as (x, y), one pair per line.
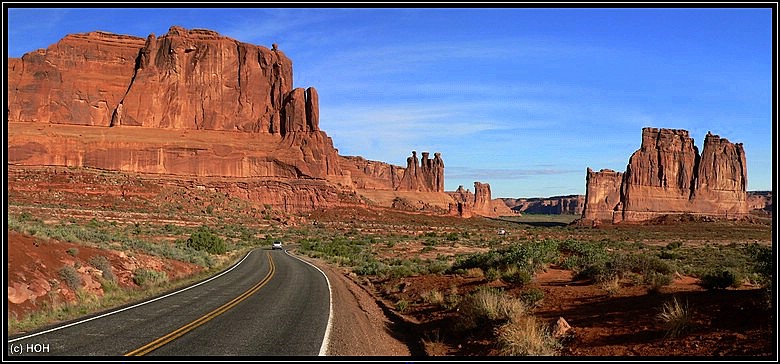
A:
(269, 303)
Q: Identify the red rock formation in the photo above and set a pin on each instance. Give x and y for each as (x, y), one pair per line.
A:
(759, 200)
(667, 176)
(198, 79)
(660, 175)
(467, 204)
(190, 103)
(427, 176)
(463, 204)
(481, 197)
(722, 178)
(79, 80)
(372, 175)
(602, 194)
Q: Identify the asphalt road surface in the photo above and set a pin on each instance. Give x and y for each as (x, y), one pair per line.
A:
(268, 304)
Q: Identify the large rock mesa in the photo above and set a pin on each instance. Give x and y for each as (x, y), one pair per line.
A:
(668, 176)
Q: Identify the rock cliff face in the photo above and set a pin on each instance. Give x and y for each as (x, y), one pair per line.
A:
(668, 176)
(80, 80)
(423, 176)
(482, 197)
(418, 176)
(464, 203)
(602, 194)
(189, 103)
(467, 204)
(372, 175)
(760, 200)
(572, 204)
(183, 81)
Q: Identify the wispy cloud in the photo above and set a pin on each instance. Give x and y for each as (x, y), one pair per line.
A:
(293, 29)
(386, 59)
(502, 173)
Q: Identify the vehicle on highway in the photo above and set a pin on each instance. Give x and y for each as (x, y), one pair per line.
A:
(277, 245)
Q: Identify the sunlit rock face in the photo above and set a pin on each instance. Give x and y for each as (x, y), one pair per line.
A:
(467, 204)
(189, 103)
(667, 175)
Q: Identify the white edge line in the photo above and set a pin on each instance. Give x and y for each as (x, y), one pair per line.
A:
(133, 306)
(326, 338)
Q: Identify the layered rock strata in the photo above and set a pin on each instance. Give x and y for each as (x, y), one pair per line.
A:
(190, 103)
(555, 205)
(760, 200)
(467, 204)
(668, 176)
(602, 194)
(426, 175)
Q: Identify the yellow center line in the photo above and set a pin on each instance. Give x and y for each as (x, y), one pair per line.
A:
(205, 318)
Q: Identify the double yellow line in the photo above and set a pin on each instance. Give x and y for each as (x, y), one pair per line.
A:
(205, 318)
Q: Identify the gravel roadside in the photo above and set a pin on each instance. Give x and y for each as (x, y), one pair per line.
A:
(360, 326)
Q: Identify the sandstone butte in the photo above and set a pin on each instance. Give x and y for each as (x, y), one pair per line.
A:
(194, 104)
(667, 175)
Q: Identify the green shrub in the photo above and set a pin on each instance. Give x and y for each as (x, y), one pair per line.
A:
(452, 299)
(102, 263)
(516, 276)
(402, 306)
(71, 277)
(674, 245)
(657, 280)
(371, 268)
(531, 257)
(763, 262)
(670, 255)
(204, 239)
(147, 277)
(532, 297)
(109, 286)
(720, 279)
(491, 274)
(73, 251)
(433, 297)
(438, 266)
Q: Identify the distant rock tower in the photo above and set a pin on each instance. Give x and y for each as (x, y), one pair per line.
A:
(423, 176)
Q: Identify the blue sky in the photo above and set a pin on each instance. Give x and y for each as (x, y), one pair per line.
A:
(524, 99)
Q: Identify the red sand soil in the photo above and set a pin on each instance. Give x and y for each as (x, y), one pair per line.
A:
(731, 322)
(34, 280)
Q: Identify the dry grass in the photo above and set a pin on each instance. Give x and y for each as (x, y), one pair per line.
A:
(434, 344)
(676, 317)
(475, 273)
(611, 285)
(488, 304)
(526, 336)
(433, 297)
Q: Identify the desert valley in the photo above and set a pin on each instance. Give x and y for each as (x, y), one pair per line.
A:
(138, 166)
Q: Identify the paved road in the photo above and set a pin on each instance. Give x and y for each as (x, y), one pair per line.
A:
(268, 304)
